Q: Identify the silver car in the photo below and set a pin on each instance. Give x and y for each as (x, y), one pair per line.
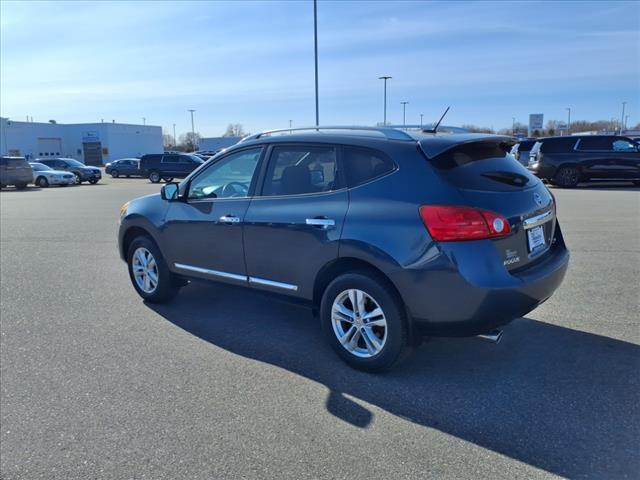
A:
(44, 176)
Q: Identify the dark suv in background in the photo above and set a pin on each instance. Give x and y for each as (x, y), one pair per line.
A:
(521, 151)
(567, 161)
(388, 235)
(167, 166)
(81, 172)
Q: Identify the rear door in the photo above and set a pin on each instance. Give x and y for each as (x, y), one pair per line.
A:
(597, 157)
(293, 226)
(489, 178)
(170, 165)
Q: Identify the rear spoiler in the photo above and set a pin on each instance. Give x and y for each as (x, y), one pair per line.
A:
(437, 145)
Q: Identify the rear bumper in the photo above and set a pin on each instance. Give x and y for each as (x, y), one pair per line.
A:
(462, 293)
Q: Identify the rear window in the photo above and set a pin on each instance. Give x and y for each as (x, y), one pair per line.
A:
(471, 152)
(363, 164)
(558, 145)
(15, 162)
(526, 145)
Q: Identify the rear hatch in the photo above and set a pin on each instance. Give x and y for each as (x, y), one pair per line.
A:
(489, 178)
(17, 169)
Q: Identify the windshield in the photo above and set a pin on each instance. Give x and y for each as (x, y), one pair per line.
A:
(72, 162)
(39, 167)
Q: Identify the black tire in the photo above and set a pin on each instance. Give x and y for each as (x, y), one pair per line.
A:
(128, 176)
(93, 181)
(154, 176)
(636, 183)
(21, 186)
(396, 346)
(167, 179)
(168, 284)
(115, 174)
(42, 182)
(567, 177)
(78, 178)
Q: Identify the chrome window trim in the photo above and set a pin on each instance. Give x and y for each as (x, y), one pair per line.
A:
(215, 273)
(538, 220)
(272, 283)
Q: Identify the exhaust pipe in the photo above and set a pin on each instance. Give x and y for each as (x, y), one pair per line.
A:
(493, 336)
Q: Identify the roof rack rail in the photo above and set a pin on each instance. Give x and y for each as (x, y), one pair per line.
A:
(390, 133)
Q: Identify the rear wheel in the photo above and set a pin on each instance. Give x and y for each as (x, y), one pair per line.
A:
(567, 177)
(167, 179)
(93, 181)
(154, 177)
(21, 186)
(364, 321)
(77, 178)
(115, 174)
(149, 273)
(42, 182)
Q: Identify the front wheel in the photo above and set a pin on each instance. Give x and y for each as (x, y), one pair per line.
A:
(115, 174)
(42, 182)
(567, 177)
(77, 179)
(154, 177)
(364, 321)
(93, 181)
(149, 273)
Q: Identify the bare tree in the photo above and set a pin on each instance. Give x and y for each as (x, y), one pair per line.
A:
(475, 129)
(189, 141)
(234, 130)
(167, 141)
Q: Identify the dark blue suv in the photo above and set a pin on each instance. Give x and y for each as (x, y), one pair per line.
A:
(167, 166)
(387, 235)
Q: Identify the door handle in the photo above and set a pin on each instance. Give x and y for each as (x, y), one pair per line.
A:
(229, 219)
(321, 222)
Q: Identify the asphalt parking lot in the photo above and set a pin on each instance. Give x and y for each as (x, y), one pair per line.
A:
(227, 383)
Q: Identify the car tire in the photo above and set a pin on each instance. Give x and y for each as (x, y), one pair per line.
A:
(78, 179)
(390, 343)
(42, 182)
(128, 176)
(93, 182)
(167, 284)
(567, 177)
(21, 186)
(167, 179)
(115, 174)
(154, 177)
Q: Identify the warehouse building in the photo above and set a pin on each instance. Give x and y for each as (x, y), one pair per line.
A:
(91, 143)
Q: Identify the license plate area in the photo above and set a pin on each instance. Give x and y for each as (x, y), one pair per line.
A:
(538, 230)
(536, 239)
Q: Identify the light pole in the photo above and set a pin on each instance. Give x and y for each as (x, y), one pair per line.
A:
(421, 115)
(290, 126)
(175, 140)
(193, 130)
(513, 126)
(385, 78)
(626, 120)
(404, 112)
(144, 120)
(315, 45)
(622, 117)
(568, 120)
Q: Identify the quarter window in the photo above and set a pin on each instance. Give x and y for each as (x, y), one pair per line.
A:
(230, 177)
(622, 145)
(296, 170)
(595, 144)
(361, 165)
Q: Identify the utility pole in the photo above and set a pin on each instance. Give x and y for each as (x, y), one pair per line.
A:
(622, 118)
(175, 140)
(421, 115)
(385, 78)
(315, 44)
(568, 120)
(193, 130)
(513, 126)
(404, 112)
(290, 122)
(144, 120)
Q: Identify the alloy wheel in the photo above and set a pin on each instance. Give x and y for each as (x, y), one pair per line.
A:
(359, 323)
(145, 270)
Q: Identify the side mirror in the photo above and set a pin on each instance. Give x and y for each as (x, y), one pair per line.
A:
(169, 191)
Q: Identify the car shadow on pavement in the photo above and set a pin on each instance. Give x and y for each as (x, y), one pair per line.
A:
(561, 400)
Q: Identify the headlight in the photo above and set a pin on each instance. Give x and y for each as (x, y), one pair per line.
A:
(123, 210)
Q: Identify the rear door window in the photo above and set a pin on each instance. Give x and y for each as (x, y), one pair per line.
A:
(623, 145)
(301, 169)
(596, 144)
(558, 145)
(362, 165)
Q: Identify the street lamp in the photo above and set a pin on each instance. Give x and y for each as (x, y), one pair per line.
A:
(421, 115)
(568, 120)
(513, 126)
(404, 111)
(193, 130)
(290, 126)
(175, 140)
(622, 118)
(385, 78)
(144, 120)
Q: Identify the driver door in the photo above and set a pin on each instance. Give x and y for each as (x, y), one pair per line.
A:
(204, 233)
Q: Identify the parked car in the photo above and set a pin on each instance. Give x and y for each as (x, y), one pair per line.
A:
(521, 151)
(567, 161)
(81, 172)
(127, 167)
(388, 235)
(44, 176)
(15, 171)
(167, 166)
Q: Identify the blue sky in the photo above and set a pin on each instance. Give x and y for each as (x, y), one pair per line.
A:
(252, 62)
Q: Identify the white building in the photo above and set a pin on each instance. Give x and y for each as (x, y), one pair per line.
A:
(91, 143)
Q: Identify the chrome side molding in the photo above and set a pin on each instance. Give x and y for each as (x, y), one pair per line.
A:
(272, 283)
(214, 273)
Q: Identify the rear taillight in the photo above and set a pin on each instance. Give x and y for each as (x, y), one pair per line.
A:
(450, 223)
